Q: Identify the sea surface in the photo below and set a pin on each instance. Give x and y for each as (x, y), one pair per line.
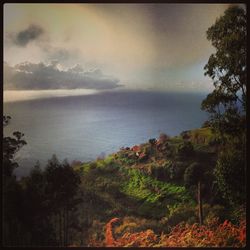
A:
(85, 127)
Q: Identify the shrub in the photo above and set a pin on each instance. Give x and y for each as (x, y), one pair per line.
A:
(238, 214)
(132, 224)
(185, 149)
(193, 173)
(230, 173)
(184, 235)
(212, 212)
(176, 170)
(213, 235)
(182, 212)
(96, 235)
(159, 172)
(152, 141)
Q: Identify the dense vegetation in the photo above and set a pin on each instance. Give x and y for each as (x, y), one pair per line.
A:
(187, 190)
(72, 204)
(182, 235)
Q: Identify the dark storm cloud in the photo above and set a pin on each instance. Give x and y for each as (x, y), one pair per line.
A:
(23, 37)
(31, 76)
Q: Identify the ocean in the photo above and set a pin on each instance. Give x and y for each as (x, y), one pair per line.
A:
(84, 127)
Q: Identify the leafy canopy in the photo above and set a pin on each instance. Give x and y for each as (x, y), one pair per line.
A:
(227, 66)
(227, 102)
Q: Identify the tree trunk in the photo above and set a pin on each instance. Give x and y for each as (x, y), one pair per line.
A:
(67, 227)
(60, 227)
(55, 225)
(200, 204)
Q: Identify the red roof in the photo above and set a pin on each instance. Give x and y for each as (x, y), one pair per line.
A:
(142, 155)
(136, 148)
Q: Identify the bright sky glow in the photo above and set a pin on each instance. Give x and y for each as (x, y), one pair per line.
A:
(103, 46)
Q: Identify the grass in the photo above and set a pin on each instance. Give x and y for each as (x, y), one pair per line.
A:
(154, 196)
(121, 185)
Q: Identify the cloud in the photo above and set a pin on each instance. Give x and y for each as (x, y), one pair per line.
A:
(59, 54)
(23, 37)
(67, 56)
(41, 76)
(144, 45)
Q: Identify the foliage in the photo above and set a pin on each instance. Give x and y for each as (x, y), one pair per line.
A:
(35, 209)
(227, 68)
(213, 235)
(153, 194)
(95, 234)
(230, 172)
(212, 212)
(72, 204)
(10, 147)
(132, 224)
(12, 191)
(238, 213)
(158, 171)
(185, 149)
(152, 141)
(227, 102)
(182, 235)
(193, 174)
(181, 212)
(201, 136)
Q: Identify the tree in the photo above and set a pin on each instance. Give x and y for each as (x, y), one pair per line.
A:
(185, 149)
(230, 172)
(227, 103)
(152, 141)
(194, 176)
(10, 147)
(39, 208)
(12, 191)
(61, 190)
(48, 201)
(36, 208)
(227, 67)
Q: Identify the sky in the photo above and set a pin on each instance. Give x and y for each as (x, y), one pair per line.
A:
(108, 46)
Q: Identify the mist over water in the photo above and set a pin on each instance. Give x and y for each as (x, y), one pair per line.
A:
(84, 127)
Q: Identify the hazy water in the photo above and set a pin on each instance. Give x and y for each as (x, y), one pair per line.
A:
(83, 127)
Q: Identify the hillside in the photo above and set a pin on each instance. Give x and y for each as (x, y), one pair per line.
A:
(145, 185)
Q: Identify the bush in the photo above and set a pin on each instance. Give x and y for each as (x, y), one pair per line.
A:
(132, 224)
(96, 235)
(237, 214)
(192, 174)
(185, 149)
(213, 235)
(176, 170)
(213, 212)
(230, 173)
(159, 172)
(152, 141)
(183, 235)
(182, 212)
